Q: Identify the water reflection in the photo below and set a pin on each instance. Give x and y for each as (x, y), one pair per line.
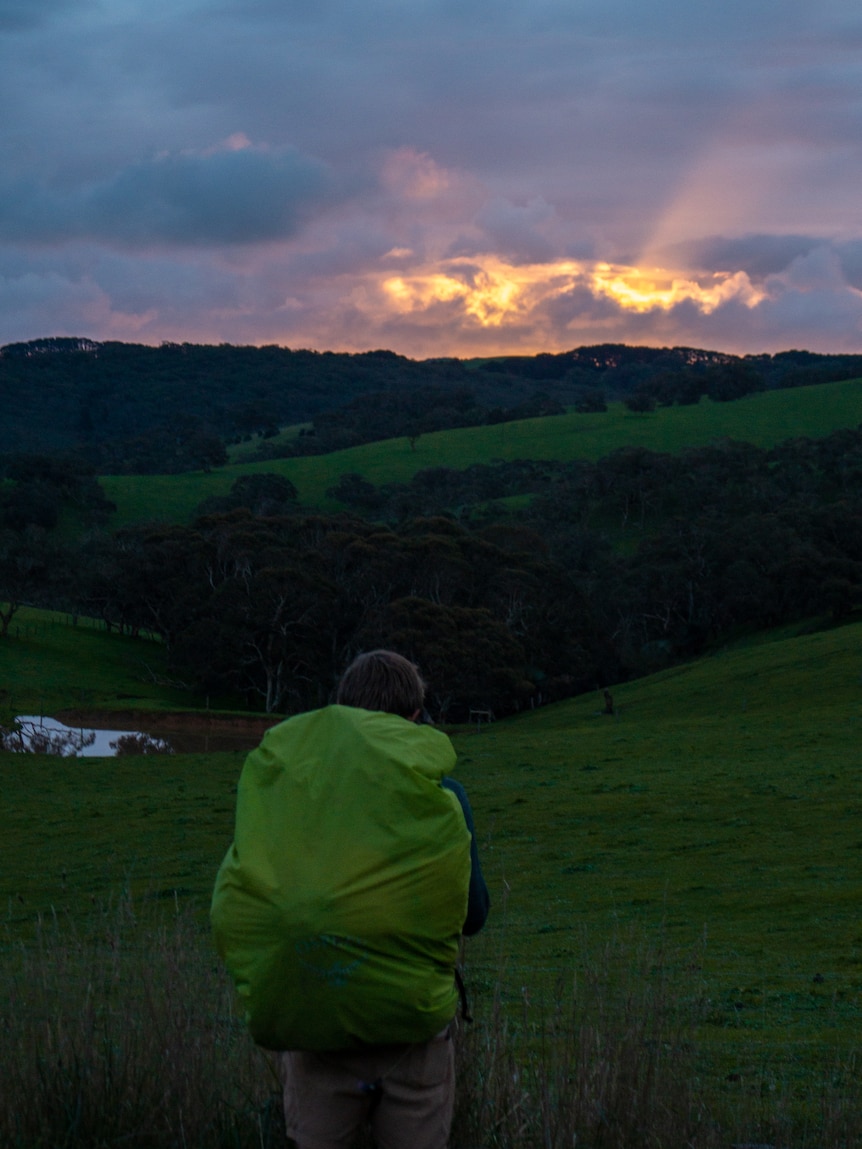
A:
(37, 734)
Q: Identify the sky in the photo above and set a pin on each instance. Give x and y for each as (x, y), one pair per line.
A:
(437, 177)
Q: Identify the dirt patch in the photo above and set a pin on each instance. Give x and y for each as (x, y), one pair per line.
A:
(196, 722)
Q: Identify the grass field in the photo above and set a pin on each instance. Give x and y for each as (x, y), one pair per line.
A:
(716, 815)
(48, 664)
(720, 809)
(762, 419)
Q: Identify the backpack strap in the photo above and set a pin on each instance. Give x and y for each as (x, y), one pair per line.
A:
(462, 994)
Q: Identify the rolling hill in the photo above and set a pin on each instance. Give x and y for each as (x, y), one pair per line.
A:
(764, 419)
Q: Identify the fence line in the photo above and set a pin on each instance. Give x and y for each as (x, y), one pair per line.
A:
(34, 628)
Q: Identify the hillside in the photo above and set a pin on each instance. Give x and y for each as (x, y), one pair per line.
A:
(763, 419)
(133, 409)
(721, 796)
(512, 583)
(53, 661)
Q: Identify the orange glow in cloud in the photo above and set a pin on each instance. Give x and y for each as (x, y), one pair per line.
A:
(638, 290)
(494, 293)
(489, 294)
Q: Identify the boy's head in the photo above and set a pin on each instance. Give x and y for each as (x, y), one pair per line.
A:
(382, 680)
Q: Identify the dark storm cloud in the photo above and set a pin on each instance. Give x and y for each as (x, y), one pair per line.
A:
(850, 255)
(762, 256)
(756, 255)
(245, 195)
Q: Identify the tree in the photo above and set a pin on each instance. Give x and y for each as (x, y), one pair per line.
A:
(264, 494)
(724, 382)
(355, 491)
(29, 565)
(30, 504)
(468, 657)
(591, 400)
(640, 402)
(160, 580)
(262, 633)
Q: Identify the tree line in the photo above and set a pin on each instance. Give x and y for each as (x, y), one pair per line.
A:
(132, 409)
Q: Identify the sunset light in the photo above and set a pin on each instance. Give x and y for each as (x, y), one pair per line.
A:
(639, 290)
(494, 293)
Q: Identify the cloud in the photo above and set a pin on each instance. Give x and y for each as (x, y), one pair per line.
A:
(233, 195)
(515, 231)
(486, 306)
(480, 305)
(702, 155)
(413, 175)
(757, 255)
(850, 255)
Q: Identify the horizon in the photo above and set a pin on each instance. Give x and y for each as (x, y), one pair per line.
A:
(155, 345)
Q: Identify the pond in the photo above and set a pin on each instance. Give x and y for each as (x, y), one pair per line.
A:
(89, 737)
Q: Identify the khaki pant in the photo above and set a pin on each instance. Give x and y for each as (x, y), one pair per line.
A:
(405, 1092)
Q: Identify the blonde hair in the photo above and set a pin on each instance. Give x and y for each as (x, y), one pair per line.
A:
(382, 680)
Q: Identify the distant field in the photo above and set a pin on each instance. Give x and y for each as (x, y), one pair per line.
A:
(47, 664)
(238, 452)
(763, 419)
(720, 809)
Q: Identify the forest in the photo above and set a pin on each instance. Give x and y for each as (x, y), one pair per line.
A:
(588, 575)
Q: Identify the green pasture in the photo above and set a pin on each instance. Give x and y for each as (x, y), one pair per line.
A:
(49, 664)
(240, 452)
(763, 419)
(717, 813)
(51, 661)
(719, 809)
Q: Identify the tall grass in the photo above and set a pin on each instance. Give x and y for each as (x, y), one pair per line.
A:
(122, 1032)
(612, 1060)
(607, 1060)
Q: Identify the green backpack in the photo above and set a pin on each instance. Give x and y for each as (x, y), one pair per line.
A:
(338, 908)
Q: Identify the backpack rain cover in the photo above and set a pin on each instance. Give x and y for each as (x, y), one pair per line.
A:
(338, 908)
